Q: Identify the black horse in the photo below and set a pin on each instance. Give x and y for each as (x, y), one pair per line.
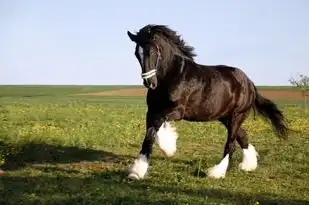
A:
(181, 89)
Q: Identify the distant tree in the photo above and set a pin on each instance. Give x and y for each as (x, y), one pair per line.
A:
(303, 84)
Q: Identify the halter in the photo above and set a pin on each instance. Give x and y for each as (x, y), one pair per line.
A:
(152, 72)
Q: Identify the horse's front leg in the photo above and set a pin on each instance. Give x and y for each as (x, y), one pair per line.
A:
(160, 131)
(140, 166)
(167, 135)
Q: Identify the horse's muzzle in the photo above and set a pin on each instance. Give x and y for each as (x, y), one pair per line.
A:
(150, 83)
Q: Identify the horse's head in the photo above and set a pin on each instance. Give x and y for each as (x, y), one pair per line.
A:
(148, 54)
(155, 47)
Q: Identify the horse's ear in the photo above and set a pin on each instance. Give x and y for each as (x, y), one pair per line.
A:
(131, 36)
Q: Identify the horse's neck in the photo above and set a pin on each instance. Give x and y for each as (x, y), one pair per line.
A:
(172, 70)
(178, 63)
(169, 85)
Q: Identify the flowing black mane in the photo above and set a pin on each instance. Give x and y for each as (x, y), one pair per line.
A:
(171, 36)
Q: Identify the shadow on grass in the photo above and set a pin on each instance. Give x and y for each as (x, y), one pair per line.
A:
(57, 184)
(109, 188)
(17, 157)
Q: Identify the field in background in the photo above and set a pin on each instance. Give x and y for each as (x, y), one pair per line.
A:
(272, 92)
(60, 147)
(47, 90)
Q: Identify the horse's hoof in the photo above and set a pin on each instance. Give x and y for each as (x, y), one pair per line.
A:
(247, 167)
(133, 176)
(216, 173)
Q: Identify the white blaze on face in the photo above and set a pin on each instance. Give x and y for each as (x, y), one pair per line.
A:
(149, 74)
(141, 54)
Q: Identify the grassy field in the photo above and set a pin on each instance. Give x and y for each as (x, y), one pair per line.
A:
(47, 90)
(59, 149)
(277, 87)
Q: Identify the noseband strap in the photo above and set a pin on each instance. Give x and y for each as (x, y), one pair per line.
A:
(149, 74)
(152, 72)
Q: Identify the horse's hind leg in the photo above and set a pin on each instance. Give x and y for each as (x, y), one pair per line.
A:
(232, 123)
(249, 161)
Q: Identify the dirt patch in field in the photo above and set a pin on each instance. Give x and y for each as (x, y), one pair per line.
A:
(271, 94)
(122, 92)
(282, 94)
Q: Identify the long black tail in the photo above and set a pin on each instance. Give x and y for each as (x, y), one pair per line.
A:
(269, 110)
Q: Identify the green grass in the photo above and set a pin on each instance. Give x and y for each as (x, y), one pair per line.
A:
(52, 90)
(265, 87)
(47, 90)
(74, 150)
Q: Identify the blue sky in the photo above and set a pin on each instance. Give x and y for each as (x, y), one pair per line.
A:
(85, 42)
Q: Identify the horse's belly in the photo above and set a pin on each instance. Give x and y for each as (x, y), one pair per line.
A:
(206, 112)
(201, 116)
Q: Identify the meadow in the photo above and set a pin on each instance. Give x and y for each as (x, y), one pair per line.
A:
(63, 149)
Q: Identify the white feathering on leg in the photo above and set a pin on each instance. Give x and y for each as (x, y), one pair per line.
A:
(139, 169)
(219, 170)
(249, 161)
(166, 139)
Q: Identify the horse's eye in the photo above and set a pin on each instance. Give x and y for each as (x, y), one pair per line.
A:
(152, 52)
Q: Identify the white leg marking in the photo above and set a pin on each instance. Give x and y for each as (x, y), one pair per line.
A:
(139, 169)
(249, 161)
(166, 139)
(219, 170)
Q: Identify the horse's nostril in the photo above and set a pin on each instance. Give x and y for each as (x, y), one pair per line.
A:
(147, 83)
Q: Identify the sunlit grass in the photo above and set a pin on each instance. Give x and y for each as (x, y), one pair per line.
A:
(74, 151)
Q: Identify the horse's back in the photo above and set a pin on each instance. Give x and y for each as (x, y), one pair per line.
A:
(238, 84)
(240, 87)
(219, 90)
